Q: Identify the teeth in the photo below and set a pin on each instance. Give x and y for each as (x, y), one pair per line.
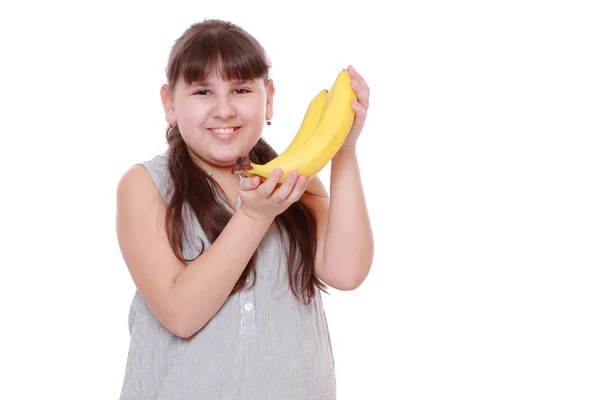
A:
(224, 131)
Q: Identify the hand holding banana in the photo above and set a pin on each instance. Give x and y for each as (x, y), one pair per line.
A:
(334, 118)
(263, 202)
(360, 105)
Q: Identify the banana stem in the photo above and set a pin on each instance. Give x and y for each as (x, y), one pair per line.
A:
(242, 167)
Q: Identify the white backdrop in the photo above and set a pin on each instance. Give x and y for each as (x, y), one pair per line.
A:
(479, 159)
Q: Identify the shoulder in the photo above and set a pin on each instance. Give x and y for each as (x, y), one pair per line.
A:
(315, 194)
(157, 167)
(148, 175)
(137, 175)
(315, 187)
(142, 179)
(138, 200)
(135, 186)
(158, 163)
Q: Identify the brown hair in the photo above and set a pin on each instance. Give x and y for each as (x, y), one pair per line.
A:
(235, 54)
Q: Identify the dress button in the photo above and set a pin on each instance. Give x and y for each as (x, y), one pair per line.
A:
(248, 306)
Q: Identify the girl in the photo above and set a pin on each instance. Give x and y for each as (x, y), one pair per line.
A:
(228, 271)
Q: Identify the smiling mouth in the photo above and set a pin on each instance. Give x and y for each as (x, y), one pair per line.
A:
(225, 131)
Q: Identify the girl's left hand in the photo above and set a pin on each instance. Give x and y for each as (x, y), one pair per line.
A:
(360, 106)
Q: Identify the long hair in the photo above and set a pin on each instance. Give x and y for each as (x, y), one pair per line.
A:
(235, 54)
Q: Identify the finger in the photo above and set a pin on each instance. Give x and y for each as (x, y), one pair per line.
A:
(250, 183)
(286, 187)
(269, 185)
(361, 93)
(360, 111)
(355, 75)
(298, 190)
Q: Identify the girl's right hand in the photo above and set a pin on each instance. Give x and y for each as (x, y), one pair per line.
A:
(263, 202)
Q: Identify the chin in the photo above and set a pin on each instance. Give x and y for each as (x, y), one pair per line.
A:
(225, 160)
(230, 155)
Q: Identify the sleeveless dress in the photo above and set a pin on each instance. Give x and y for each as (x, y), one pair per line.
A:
(262, 344)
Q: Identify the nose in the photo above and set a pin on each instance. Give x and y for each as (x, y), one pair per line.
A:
(223, 108)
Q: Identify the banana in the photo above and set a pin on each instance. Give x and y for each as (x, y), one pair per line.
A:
(309, 122)
(310, 157)
(311, 119)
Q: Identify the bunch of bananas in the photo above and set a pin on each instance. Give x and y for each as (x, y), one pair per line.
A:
(325, 126)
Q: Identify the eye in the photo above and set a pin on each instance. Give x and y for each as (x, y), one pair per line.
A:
(241, 91)
(202, 92)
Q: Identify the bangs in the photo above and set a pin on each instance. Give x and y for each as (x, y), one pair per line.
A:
(230, 56)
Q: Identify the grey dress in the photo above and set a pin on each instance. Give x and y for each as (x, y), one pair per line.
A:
(262, 344)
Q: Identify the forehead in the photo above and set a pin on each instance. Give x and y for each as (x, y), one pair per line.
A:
(216, 80)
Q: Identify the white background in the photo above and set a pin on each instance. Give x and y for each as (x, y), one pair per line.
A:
(480, 161)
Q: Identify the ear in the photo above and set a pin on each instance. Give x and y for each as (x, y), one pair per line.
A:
(168, 104)
(270, 95)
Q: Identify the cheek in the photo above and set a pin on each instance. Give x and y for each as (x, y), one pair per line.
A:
(188, 111)
(254, 113)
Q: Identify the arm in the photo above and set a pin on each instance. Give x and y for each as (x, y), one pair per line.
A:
(345, 239)
(183, 298)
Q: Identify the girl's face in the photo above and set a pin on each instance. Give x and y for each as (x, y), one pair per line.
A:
(219, 120)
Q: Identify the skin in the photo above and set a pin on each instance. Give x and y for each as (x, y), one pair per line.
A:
(345, 245)
(184, 298)
(199, 108)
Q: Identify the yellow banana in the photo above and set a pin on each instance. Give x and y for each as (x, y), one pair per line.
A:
(315, 153)
(307, 128)
(309, 122)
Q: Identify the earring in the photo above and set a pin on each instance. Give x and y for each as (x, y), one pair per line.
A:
(171, 126)
(268, 122)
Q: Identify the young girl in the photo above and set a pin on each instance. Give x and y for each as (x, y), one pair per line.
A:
(228, 271)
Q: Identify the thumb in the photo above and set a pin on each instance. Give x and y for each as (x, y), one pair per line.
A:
(250, 183)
